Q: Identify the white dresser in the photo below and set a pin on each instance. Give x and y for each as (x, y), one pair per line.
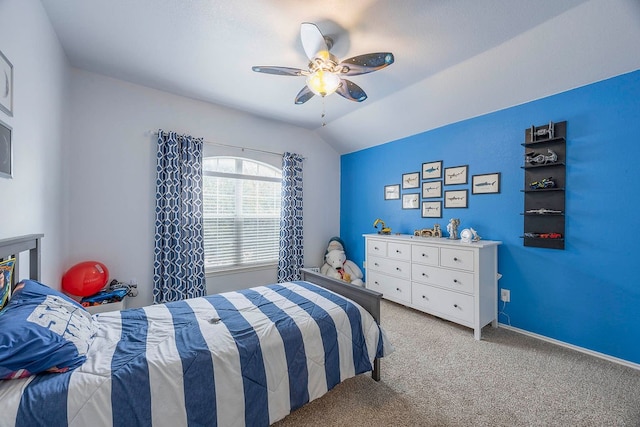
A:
(447, 278)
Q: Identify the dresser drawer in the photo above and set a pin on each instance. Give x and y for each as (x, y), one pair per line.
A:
(376, 247)
(390, 266)
(401, 251)
(425, 254)
(391, 288)
(449, 304)
(456, 258)
(452, 279)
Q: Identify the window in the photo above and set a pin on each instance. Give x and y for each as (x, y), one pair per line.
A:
(241, 212)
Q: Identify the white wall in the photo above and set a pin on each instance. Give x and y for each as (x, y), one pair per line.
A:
(33, 200)
(111, 174)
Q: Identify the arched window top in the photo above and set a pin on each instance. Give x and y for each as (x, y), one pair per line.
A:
(239, 165)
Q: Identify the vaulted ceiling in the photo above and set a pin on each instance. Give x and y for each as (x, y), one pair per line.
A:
(454, 59)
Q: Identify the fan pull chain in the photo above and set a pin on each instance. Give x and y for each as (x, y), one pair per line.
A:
(323, 114)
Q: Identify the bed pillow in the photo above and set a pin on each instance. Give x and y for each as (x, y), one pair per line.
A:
(42, 330)
(6, 270)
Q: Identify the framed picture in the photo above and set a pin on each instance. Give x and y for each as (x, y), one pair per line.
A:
(392, 192)
(455, 198)
(432, 170)
(411, 180)
(411, 201)
(6, 151)
(488, 183)
(6, 85)
(456, 175)
(431, 189)
(432, 209)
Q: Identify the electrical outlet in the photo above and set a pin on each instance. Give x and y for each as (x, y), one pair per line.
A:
(505, 295)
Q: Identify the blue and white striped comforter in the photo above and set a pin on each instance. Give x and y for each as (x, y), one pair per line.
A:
(274, 349)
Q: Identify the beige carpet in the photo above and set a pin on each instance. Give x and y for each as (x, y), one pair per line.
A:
(440, 376)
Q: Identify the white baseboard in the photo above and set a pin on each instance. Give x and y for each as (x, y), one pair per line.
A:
(573, 347)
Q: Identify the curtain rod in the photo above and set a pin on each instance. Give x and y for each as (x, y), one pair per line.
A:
(232, 146)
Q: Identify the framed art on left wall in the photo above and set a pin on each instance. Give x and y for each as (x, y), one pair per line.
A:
(6, 150)
(6, 85)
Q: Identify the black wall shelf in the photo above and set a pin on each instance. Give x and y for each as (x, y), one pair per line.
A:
(541, 143)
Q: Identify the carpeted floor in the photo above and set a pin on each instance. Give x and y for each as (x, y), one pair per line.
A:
(440, 376)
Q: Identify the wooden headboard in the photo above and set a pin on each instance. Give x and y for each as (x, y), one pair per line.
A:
(14, 246)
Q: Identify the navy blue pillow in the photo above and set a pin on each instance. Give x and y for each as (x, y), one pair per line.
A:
(42, 330)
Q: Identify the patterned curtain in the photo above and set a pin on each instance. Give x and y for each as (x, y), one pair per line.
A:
(178, 267)
(291, 237)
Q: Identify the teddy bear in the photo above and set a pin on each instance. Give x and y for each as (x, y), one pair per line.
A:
(339, 267)
(334, 243)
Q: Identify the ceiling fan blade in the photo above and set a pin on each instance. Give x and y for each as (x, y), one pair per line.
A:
(280, 71)
(367, 63)
(304, 95)
(312, 40)
(351, 91)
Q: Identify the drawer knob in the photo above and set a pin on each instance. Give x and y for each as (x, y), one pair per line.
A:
(398, 269)
(425, 297)
(425, 275)
(376, 282)
(424, 255)
(455, 280)
(376, 248)
(455, 258)
(455, 305)
(398, 289)
(376, 264)
(398, 251)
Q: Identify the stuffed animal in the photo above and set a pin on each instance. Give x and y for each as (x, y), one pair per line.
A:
(334, 243)
(339, 267)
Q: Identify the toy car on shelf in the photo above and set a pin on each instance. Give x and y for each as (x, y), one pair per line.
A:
(104, 297)
(543, 235)
(550, 236)
(543, 183)
(534, 158)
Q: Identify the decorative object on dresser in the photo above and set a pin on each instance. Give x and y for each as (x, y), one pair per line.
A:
(469, 235)
(446, 278)
(429, 232)
(452, 228)
(384, 229)
(544, 167)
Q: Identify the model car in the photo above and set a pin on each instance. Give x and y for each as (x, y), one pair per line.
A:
(534, 158)
(544, 183)
(104, 297)
(550, 236)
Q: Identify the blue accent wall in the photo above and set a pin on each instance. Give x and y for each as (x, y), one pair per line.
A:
(587, 295)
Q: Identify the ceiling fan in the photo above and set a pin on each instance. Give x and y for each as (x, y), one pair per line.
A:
(325, 73)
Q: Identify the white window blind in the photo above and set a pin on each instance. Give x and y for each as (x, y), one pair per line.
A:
(241, 212)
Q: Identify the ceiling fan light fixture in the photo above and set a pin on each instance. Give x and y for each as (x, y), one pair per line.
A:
(323, 83)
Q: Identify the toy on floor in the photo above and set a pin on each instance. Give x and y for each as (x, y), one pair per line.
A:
(337, 265)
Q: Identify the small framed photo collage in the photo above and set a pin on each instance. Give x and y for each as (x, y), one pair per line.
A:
(425, 189)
